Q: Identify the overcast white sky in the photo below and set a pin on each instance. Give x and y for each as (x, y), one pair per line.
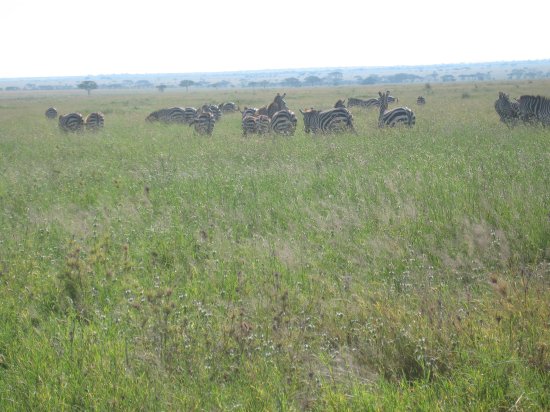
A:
(73, 37)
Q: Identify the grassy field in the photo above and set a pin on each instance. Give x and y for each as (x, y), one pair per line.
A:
(144, 267)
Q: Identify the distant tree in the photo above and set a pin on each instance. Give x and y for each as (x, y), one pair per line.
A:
(313, 80)
(335, 77)
(292, 82)
(448, 78)
(88, 85)
(161, 87)
(143, 84)
(221, 84)
(186, 84)
(372, 79)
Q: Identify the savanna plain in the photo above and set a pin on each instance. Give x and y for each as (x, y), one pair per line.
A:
(144, 267)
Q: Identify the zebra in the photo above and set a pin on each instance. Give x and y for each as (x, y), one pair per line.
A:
(340, 103)
(508, 112)
(353, 101)
(94, 121)
(420, 100)
(249, 111)
(327, 121)
(535, 107)
(204, 123)
(212, 108)
(71, 122)
(277, 104)
(228, 107)
(173, 115)
(284, 122)
(249, 124)
(51, 113)
(256, 124)
(263, 123)
(398, 115)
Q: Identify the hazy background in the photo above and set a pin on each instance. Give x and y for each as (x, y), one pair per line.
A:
(67, 38)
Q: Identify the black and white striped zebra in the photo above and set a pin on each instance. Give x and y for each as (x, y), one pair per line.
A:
(340, 103)
(95, 121)
(256, 124)
(249, 111)
(284, 122)
(212, 108)
(51, 113)
(173, 115)
(353, 101)
(277, 104)
(395, 116)
(506, 110)
(535, 107)
(420, 100)
(249, 124)
(228, 107)
(71, 122)
(327, 121)
(204, 123)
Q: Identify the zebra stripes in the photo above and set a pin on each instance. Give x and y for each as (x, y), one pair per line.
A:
(420, 100)
(256, 124)
(328, 121)
(535, 107)
(204, 123)
(95, 121)
(51, 113)
(508, 112)
(284, 122)
(71, 122)
(228, 107)
(352, 101)
(173, 115)
(395, 116)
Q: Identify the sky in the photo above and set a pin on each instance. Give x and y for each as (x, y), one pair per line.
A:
(44, 38)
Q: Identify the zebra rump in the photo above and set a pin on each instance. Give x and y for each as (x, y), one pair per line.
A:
(51, 113)
(421, 100)
(95, 121)
(327, 121)
(204, 123)
(535, 107)
(284, 122)
(71, 122)
(399, 115)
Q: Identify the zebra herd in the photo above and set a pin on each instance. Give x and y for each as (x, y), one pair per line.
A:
(74, 121)
(274, 117)
(529, 109)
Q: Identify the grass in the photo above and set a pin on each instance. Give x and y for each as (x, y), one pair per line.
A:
(146, 268)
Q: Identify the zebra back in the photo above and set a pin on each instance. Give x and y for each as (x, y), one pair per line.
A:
(284, 122)
(204, 123)
(395, 116)
(51, 113)
(535, 107)
(71, 122)
(94, 121)
(328, 121)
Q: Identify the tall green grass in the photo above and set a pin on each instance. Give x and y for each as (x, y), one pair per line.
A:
(144, 267)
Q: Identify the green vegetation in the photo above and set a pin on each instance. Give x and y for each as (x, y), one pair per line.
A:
(144, 267)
